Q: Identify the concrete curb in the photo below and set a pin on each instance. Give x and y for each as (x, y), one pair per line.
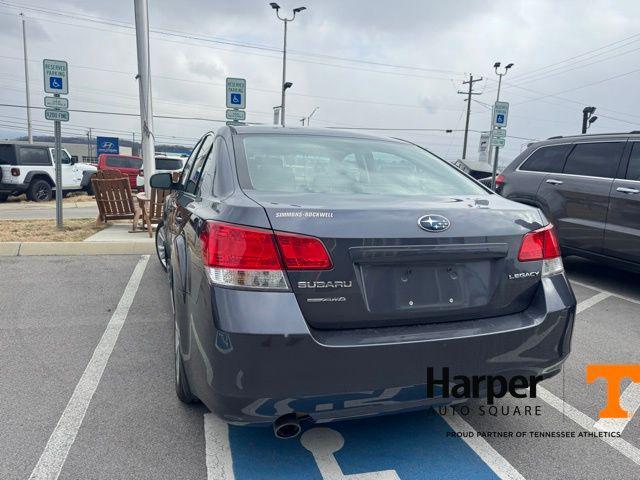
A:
(22, 249)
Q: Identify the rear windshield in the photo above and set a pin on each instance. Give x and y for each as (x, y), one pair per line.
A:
(124, 162)
(319, 164)
(168, 163)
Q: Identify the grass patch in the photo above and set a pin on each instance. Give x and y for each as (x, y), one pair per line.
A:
(75, 230)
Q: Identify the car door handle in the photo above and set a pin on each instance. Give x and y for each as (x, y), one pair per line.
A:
(628, 190)
(553, 181)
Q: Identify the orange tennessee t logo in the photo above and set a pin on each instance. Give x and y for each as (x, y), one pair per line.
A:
(613, 374)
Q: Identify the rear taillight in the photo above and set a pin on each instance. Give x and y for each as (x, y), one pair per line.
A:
(499, 180)
(15, 172)
(248, 257)
(542, 244)
(300, 252)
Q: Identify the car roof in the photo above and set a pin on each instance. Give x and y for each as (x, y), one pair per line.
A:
(326, 132)
(594, 137)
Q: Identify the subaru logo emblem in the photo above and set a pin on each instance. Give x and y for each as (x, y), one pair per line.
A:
(434, 223)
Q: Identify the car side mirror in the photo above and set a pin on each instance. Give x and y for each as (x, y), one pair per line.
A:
(73, 161)
(162, 180)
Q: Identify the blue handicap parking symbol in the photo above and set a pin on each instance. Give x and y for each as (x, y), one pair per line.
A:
(236, 98)
(500, 118)
(407, 446)
(55, 83)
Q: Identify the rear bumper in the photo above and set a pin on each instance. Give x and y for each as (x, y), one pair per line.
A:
(257, 361)
(13, 188)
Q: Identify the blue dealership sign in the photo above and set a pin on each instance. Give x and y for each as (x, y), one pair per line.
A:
(108, 145)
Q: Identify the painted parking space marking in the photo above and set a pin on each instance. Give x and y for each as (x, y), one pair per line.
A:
(217, 451)
(613, 294)
(486, 452)
(323, 442)
(55, 452)
(629, 401)
(586, 422)
(410, 446)
(591, 301)
(630, 397)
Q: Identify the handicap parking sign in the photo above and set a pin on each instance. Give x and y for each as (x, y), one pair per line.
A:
(411, 446)
(499, 119)
(55, 83)
(236, 98)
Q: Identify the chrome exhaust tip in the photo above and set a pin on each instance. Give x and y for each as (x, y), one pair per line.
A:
(287, 426)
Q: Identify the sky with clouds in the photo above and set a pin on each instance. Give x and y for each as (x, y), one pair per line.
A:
(370, 64)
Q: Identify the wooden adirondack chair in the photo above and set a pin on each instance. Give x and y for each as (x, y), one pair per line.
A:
(152, 207)
(114, 198)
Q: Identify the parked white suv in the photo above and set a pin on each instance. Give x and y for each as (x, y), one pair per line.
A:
(30, 169)
(164, 164)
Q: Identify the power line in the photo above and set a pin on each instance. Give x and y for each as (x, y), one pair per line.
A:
(563, 62)
(222, 41)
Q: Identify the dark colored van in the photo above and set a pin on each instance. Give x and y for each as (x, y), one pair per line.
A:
(125, 164)
(589, 187)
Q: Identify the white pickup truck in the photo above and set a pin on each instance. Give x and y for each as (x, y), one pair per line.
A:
(30, 169)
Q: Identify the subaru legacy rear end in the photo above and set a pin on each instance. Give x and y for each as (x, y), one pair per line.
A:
(340, 268)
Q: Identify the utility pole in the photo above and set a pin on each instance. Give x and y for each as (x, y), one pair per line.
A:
(588, 118)
(144, 84)
(285, 84)
(496, 149)
(26, 78)
(468, 93)
(311, 115)
(88, 147)
(302, 120)
(133, 143)
(90, 144)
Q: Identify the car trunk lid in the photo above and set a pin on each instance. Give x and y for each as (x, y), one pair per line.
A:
(388, 271)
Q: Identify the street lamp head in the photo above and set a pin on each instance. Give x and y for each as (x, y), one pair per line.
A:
(287, 85)
(496, 65)
(589, 110)
(275, 6)
(592, 119)
(299, 9)
(509, 66)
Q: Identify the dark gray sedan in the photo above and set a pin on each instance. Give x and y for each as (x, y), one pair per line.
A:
(319, 275)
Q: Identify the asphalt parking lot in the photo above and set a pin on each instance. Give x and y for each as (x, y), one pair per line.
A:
(87, 392)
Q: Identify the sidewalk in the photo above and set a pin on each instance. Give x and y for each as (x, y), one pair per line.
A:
(119, 232)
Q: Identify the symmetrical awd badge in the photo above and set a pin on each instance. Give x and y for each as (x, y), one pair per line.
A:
(434, 223)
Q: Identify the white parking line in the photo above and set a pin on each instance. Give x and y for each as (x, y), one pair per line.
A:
(591, 301)
(55, 452)
(586, 422)
(217, 449)
(613, 294)
(496, 462)
(632, 399)
(629, 401)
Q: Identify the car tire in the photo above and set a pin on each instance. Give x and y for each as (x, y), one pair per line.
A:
(89, 190)
(3, 197)
(182, 384)
(39, 191)
(161, 245)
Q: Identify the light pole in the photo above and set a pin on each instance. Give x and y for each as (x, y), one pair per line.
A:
(496, 67)
(285, 84)
(26, 78)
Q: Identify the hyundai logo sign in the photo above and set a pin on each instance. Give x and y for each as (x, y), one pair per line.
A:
(107, 145)
(434, 223)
